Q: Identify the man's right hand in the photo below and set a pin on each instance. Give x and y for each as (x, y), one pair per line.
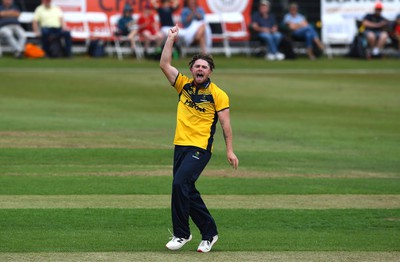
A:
(173, 32)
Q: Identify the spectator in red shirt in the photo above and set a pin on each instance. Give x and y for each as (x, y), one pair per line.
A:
(149, 29)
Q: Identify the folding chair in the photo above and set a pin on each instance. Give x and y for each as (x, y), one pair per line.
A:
(235, 29)
(77, 24)
(26, 19)
(118, 39)
(214, 21)
(99, 28)
(337, 30)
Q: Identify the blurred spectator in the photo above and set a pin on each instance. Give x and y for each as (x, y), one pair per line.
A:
(375, 24)
(48, 24)
(195, 27)
(149, 30)
(301, 29)
(165, 12)
(127, 26)
(264, 24)
(10, 28)
(397, 34)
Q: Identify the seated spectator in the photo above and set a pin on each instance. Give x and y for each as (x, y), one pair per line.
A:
(127, 26)
(397, 34)
(149, 30)
(10, 28)
(375, 24)
(48, 25)
(195, 28)
(265, 25)
(301, 29)
(165, 13)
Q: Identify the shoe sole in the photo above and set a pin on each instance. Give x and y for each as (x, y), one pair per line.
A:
(190, 238)
(212, 243)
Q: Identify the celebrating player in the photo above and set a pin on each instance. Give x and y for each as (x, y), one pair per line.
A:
(201, 104)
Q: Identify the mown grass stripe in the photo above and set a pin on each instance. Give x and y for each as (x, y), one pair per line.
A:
(73, 160)
(288, 256)
(161, 185)
(213, 201)
(107, 230)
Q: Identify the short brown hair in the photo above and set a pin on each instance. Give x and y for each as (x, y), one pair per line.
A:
(206, 57)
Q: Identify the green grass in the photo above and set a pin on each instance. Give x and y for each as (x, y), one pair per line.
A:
(86, 230)
(101, 126)
(283, 122)
(287, 160)
(82, 185)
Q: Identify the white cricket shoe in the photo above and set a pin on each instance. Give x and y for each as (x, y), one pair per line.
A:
(270, 57)
(177, 242)
(279, 56)
(206, 245)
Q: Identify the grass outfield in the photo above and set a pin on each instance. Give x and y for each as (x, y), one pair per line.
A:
(119, 230)
(86, 157)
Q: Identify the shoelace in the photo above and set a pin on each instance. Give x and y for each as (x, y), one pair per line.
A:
(173, 238)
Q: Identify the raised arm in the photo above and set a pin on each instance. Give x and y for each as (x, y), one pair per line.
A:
(224, 119)
(165, 62)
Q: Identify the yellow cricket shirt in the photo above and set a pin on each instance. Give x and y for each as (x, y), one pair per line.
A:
(197, 112)
(48, 17)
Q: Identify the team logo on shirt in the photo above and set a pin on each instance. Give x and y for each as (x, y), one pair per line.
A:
(203, 99)
(194, 105)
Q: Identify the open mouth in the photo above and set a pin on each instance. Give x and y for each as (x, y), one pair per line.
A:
(199, 77)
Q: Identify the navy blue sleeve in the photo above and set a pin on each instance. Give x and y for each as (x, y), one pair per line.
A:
(367, 17)
(273, 20)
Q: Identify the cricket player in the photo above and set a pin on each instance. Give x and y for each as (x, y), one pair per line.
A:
(201, 104)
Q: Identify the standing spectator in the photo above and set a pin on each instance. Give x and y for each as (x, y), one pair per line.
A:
(265, 25)
(165, 13)
(301, 29)
(195, 27)
(127, 26)
(48, 23)
(375, 24)
(10, 28)
(397, 34)
(149, 29)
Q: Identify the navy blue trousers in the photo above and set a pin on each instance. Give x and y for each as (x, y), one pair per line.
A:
(66, 35)
(186, 200)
